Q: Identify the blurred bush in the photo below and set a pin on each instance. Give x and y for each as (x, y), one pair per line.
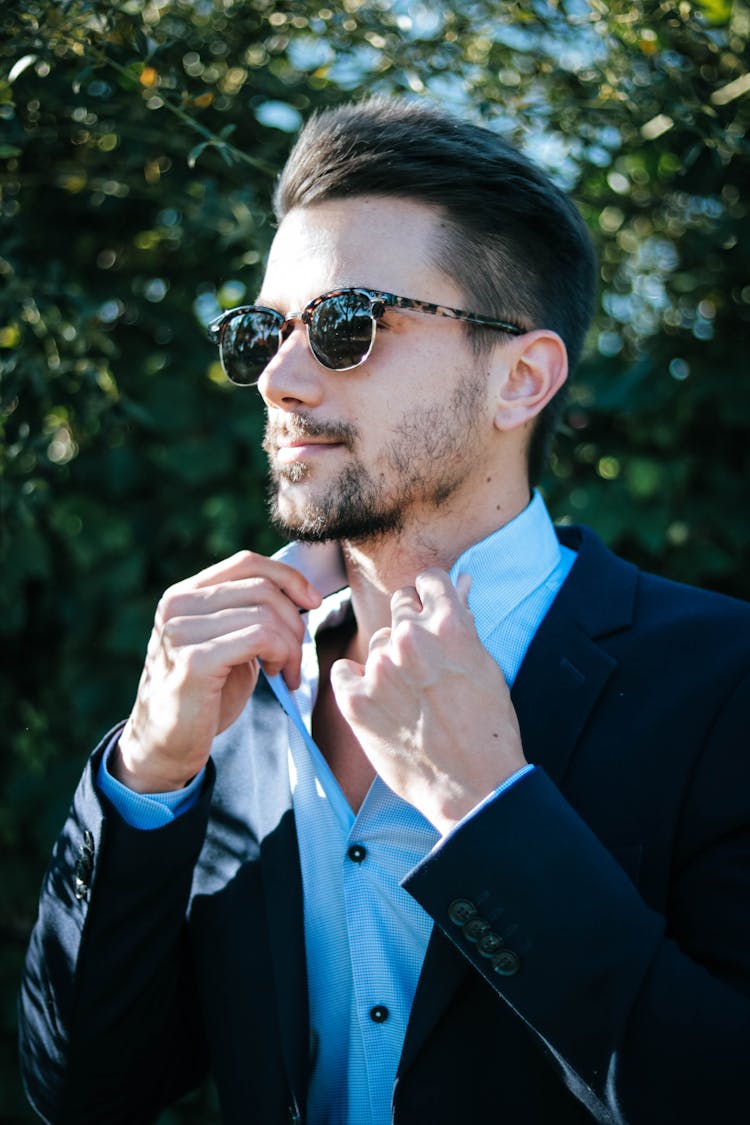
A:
(138, 146)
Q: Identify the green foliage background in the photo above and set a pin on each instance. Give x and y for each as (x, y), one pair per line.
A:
(138, 145)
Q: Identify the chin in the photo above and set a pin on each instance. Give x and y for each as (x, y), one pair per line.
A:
(296, 516)
(316, 524)
(350, 508)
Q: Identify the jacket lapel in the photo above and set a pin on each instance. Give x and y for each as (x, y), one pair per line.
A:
(282, 884)
(443, 970)
(566, 668)
(562, 676)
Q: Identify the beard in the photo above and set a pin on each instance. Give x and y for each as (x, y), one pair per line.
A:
(426, 461)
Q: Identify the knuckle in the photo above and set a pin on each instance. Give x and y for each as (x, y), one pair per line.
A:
(380, 636)
(267, 640)
(445, 623)
(436, 581)
(262, 591)
(169, 603)
(171, 631)
(260, 632)
(192, 664)
(259, 588)
(248, 559)
(406, 636)
(382, 667)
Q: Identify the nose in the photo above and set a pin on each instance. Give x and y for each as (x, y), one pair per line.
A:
(292, 378)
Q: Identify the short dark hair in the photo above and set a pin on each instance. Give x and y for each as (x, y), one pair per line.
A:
(515, 243)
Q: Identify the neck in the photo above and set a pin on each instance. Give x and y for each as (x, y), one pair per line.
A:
(377, 567)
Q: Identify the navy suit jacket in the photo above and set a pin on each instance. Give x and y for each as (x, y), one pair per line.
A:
(618, 872)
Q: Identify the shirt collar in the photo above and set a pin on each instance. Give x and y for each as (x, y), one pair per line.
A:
(505, 567)
(508, 565)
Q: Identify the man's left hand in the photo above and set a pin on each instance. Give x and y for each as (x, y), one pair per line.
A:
(430, 707)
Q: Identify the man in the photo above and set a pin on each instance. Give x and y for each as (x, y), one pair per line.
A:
(329, 857)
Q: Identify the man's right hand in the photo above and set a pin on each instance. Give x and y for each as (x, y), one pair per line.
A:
(202, 664)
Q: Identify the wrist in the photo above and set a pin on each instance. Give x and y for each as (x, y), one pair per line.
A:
(128, 767)
(459, 807)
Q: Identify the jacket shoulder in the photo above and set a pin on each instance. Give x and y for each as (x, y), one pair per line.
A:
(607, 588)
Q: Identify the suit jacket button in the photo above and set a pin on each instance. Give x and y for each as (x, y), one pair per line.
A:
(475, 929)
(506, 963)
(461, 910)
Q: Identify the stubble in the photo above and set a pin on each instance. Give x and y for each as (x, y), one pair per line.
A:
(429, 456)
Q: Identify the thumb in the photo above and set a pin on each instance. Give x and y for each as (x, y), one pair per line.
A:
(345, 676)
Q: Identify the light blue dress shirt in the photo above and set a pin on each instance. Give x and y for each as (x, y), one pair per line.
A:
(365, 937)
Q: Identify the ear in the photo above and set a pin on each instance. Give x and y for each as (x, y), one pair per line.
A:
(533, 369)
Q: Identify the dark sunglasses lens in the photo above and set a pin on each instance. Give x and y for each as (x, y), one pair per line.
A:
(249, 342)
(342, 330)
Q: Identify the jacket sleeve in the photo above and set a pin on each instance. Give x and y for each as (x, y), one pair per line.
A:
(109, 1021)
(645, 1014)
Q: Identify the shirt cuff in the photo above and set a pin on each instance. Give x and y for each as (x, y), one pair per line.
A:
(145, 810)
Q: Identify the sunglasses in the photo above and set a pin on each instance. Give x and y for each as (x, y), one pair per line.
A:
(341, 327)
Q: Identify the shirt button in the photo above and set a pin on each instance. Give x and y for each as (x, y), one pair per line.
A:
(357, 853)
(379, 1014)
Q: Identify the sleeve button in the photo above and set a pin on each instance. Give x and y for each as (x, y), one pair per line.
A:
(475, 929)
(461, 910)
(506, 963)
(489, 944)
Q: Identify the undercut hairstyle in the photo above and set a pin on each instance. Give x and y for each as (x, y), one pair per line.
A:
(512, 241)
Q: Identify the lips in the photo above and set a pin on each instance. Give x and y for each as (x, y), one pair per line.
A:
(303, 449)
(296, 438)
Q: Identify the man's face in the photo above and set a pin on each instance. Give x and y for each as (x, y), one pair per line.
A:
(360, 454)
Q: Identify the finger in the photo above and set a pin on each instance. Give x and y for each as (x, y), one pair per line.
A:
(463, 587)
(277, 652)
(215, 658)
(197, 629)
(346, 678)
(249, 564)
(434, 584)
(379, 640)
(406, 605)
(246, 594)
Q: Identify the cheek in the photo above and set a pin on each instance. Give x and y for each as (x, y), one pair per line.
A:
(403, 392)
